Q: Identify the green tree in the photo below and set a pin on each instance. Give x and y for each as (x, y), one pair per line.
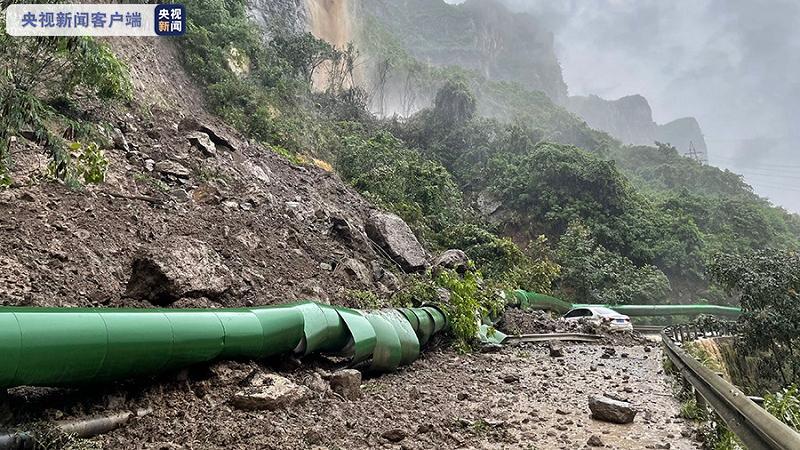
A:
(590, 273)
(37, 75)
(767, 284)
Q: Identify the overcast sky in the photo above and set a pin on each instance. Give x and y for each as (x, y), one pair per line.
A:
(732, 64)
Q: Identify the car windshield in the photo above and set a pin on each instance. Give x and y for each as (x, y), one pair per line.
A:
(604, 312)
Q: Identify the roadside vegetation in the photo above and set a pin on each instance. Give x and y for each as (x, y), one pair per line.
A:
(43, 81)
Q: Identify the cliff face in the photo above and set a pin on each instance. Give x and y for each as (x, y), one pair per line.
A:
(478, 35)
(630, 120)
(481, 36)
(279, 15)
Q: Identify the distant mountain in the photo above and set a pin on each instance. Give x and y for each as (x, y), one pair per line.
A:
(630, 120)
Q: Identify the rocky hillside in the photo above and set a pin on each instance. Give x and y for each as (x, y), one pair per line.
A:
(191, 214)
(478, 35)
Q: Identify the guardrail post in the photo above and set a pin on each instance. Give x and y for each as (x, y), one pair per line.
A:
(700, 401)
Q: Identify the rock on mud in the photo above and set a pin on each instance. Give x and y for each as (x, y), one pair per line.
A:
(394, 236)
(347, 383)
(176, 267)
(610, 410)
(271, 392)
(202, 142)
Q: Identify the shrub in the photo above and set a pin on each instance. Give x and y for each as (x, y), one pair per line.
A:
(37, 73)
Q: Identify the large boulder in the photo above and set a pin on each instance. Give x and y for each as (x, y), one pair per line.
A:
(271, 392)
(610, 410)
(176, 267)
(395, 237)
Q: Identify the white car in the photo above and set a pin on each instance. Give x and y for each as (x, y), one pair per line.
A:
(602, 315)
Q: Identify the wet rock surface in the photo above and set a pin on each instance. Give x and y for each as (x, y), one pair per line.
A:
(610, 410)
(177, 267)
(395, 237)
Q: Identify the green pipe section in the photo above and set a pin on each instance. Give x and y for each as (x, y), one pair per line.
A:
(533, 300)
(71, 346)
(676, 310)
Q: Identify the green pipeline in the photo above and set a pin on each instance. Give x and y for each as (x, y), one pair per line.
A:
(73, 346)
(532, 300)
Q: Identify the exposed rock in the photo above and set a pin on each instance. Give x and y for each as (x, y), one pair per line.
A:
(355, 270)
(610, 410)
(394, 435)
(176, 267)
(202, 142)
(313, 290)
(262, 174)
(315, 382)
(453, 259)
(119, 140)
(348, 234)
(173, 168)
(487, 203)
(269, 391)
(347, 383)
(510, 378)
(556, 350)
(595, 441)
(216, 135)
(394, 236)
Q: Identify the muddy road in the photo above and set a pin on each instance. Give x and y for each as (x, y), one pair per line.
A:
(518, 397)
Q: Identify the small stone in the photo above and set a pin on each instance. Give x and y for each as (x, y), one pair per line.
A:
(511, 378)
(595, 441)
(556, 351)
(347, 383)
(394, 435)
(462, 396)
(173, 168)
(271, 392)
(424, 428)
(453, 259)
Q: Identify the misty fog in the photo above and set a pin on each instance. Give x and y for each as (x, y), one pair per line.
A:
(732, 64)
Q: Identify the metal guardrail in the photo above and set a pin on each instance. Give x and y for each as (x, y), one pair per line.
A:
(753, 425)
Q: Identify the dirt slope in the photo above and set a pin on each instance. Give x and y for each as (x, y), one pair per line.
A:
(272, 222)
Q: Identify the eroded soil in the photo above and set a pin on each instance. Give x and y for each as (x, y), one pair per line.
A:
(519, 397)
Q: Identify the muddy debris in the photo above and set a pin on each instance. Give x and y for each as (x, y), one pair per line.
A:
(347, 383)
(270, 392)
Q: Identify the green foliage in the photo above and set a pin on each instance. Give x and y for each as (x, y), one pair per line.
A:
(263, 88)
(417, 290)
(37, 73)
(785, 405)
(690, 410)
(454, 104)
(90, 162)
(501, 260)
(593, 274)
(767, 283)
(383, 169)
(465, 307)
(364, 299)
